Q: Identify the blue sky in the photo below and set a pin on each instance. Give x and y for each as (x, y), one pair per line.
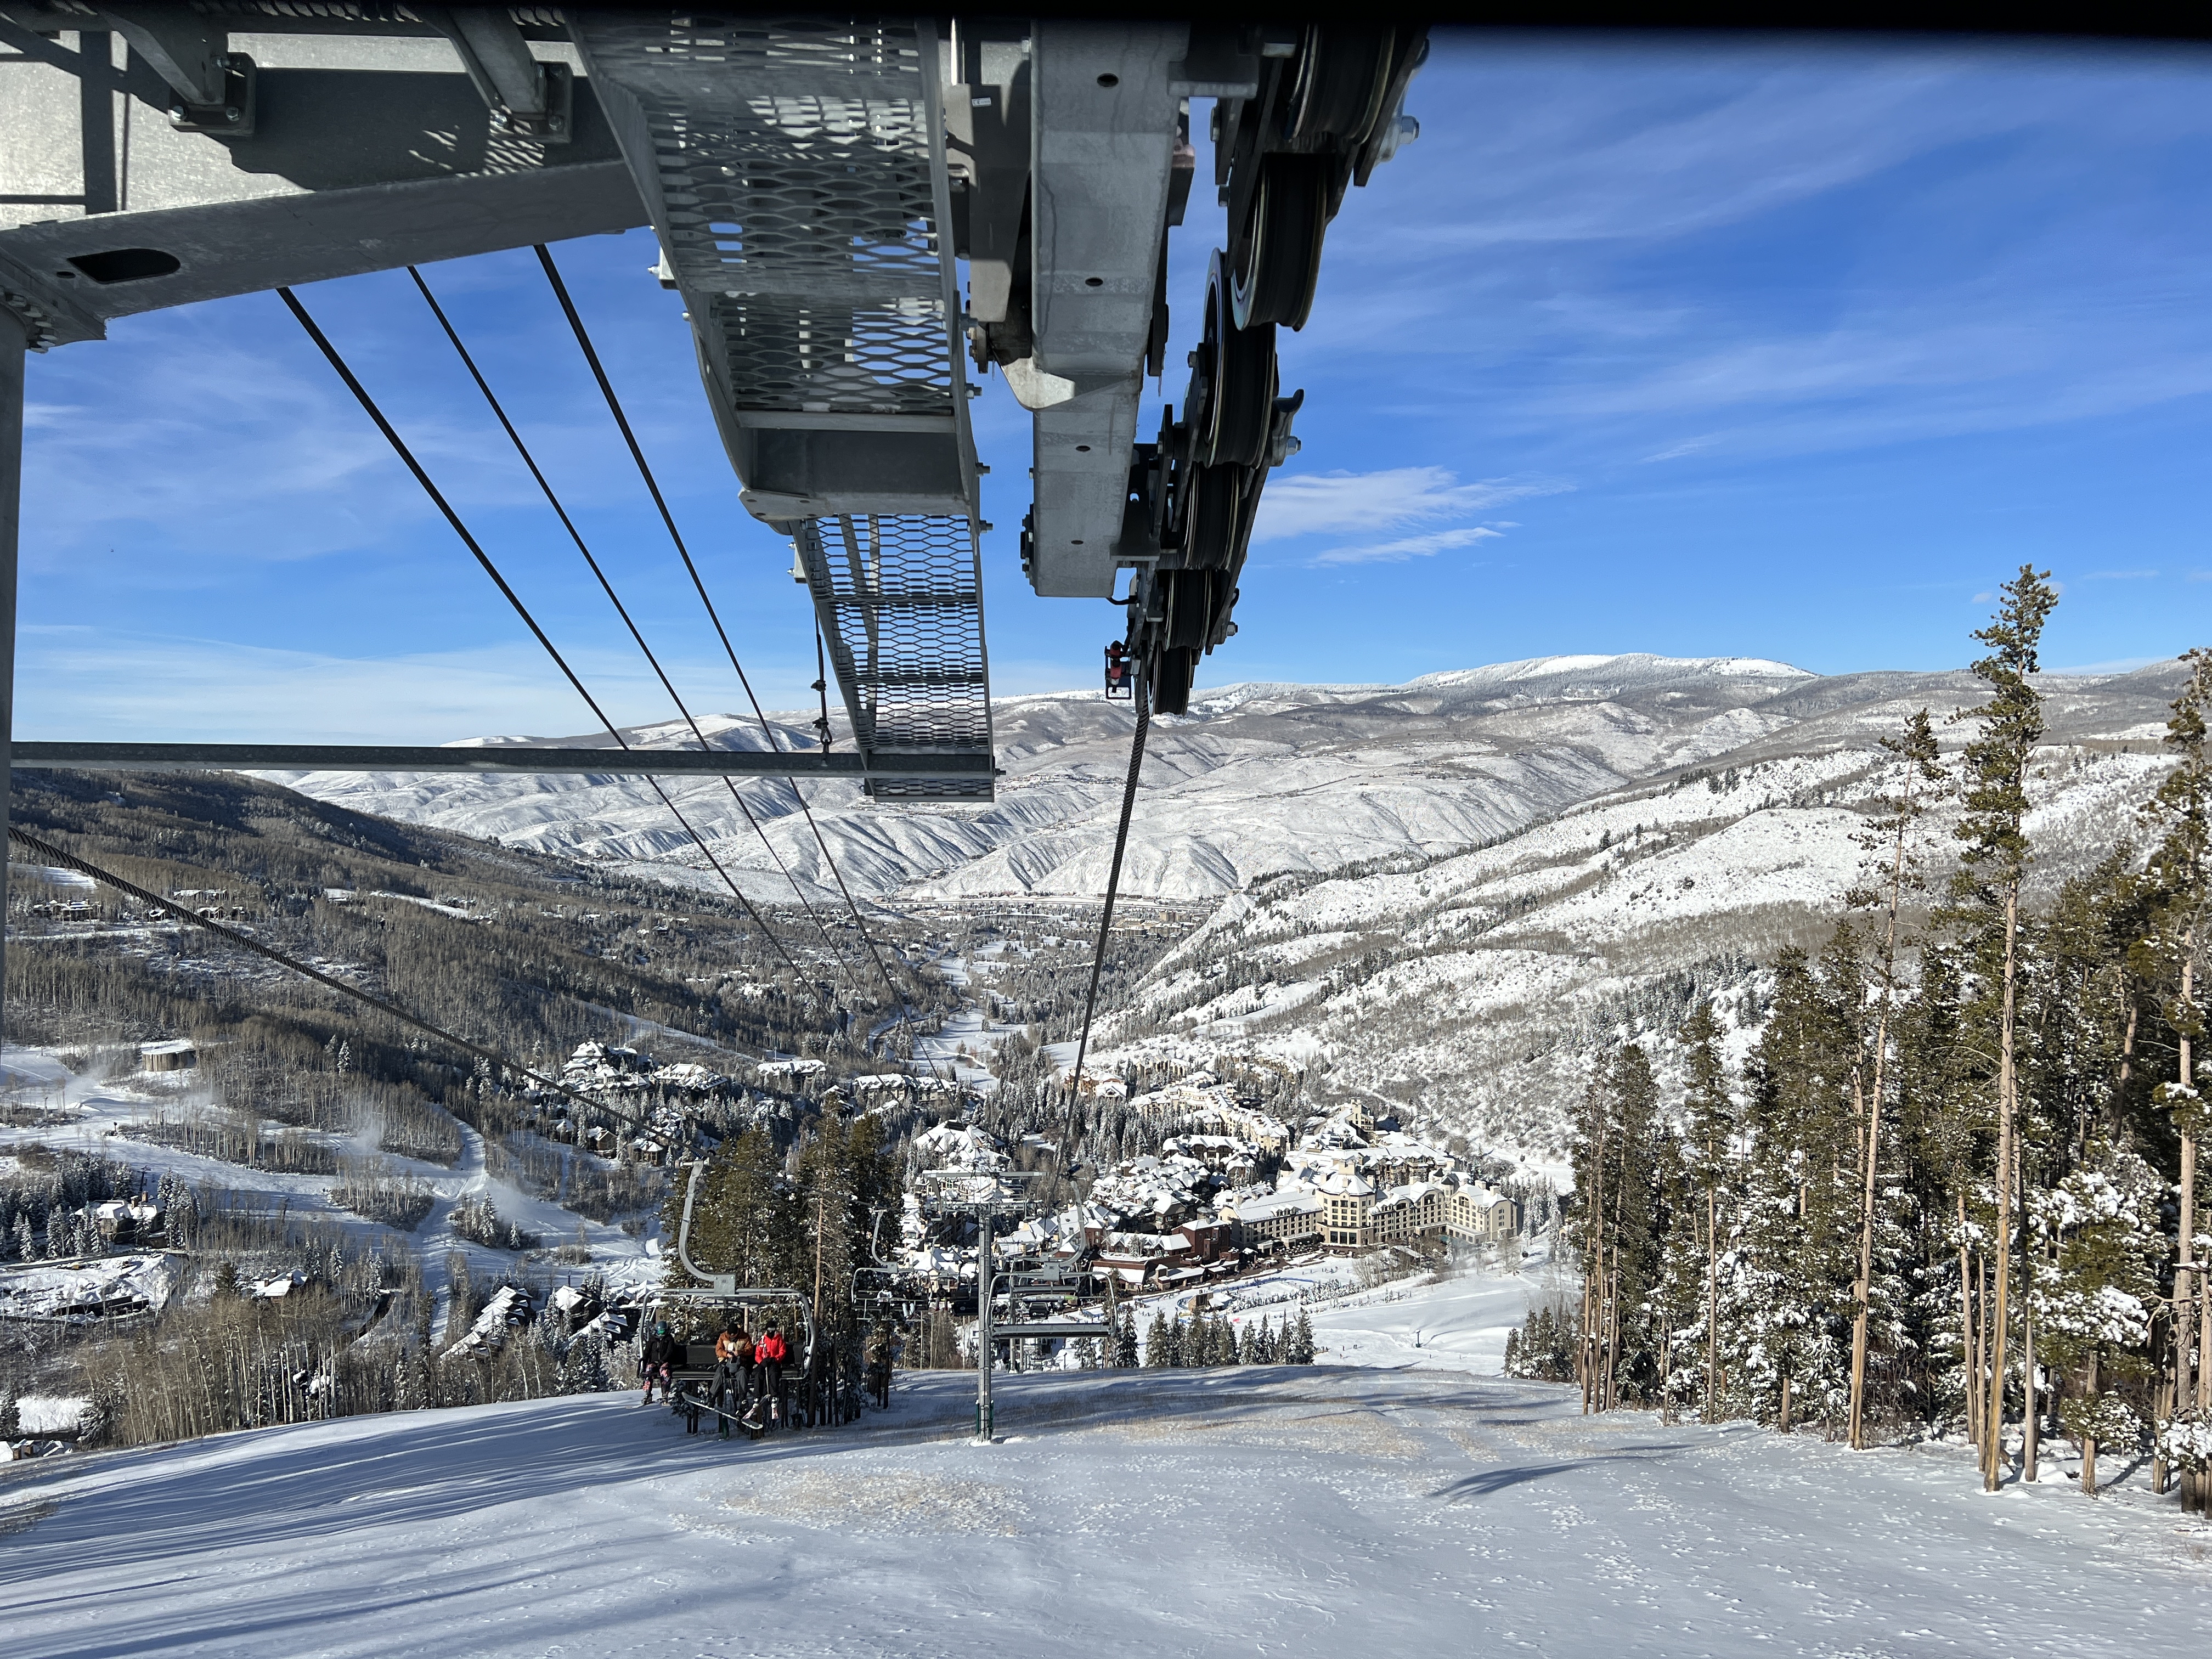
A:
(1723, 347)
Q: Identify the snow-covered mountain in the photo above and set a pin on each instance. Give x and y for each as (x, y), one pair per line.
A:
(1257, 779)
(1477, 987)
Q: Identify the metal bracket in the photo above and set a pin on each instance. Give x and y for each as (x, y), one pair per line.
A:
(526, 99)
(212, 87)
(230, 117)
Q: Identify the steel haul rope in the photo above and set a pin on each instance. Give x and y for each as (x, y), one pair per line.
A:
(438, 500)
(1105, 930)
(546, 489)
(668, 518)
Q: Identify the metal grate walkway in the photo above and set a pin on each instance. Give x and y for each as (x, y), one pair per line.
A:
(902, 609)
(795, 171)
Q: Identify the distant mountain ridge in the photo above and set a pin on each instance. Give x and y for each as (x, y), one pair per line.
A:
(1258, 778)
(1478, 988)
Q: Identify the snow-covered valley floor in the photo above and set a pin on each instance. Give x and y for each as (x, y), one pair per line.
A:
(1326, 1510)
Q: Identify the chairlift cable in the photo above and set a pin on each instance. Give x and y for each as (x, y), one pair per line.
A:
(1105, 930)
(55, 855)
(460, 529)
(668, 518)
(615, 599)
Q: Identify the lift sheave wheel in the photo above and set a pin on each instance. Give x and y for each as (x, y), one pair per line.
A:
(1343, 74)
(1279, 256)
(1212, 510)
(1235, 372)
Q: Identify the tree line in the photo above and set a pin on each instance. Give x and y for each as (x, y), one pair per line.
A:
(1953, 1184)
(802, 1217)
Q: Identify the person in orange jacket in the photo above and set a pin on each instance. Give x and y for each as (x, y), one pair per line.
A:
(733, 1363)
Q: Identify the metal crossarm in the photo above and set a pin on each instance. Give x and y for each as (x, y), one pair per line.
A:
(795, 172)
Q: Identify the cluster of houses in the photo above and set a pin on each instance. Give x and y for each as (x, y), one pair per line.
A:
(1235, 1191)
(638, 1085)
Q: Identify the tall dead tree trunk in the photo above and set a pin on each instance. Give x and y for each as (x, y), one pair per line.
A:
(1917, 748)
(1593, 1272)
(2196, 1490)
(2190, 1305)
(1969, 1358)
(2008, 1085)
(2090, 1441)
(1713, 1301)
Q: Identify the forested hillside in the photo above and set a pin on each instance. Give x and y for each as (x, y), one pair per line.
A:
(526, 954)
(1953, 1184)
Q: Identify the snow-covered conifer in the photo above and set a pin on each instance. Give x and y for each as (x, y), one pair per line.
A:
(2097, 1242)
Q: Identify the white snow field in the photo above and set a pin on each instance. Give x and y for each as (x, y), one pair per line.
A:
(1256, 1511)
(1460, 1324)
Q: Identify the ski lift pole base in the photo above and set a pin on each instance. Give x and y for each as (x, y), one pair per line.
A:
(983, 1414)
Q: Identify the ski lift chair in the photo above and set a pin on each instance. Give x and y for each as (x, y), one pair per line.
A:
(1120, 683)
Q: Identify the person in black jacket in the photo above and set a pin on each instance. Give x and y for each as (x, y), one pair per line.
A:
(658, 1360)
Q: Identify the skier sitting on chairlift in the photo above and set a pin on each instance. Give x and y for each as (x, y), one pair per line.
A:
(733, 1363)
(658, 1360)
(769, 1355)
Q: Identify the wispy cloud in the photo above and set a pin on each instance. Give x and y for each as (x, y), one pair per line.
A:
(1408, 547)
(1690, 447)
(1325, 502)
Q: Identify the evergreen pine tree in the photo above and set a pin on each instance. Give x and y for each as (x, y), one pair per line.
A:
(2096, 1242)
(1125, 1339)
(2180, 874)
(584, 1368)
(1158, 1353)
(1707, 1121)
(1986, 903)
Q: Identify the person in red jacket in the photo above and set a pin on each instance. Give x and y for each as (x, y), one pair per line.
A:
(769, 1355)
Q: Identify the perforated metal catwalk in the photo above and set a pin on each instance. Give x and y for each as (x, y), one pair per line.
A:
(795, 172)
(902, 612)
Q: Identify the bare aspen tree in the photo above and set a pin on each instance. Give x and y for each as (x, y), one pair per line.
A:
(1591, 1183)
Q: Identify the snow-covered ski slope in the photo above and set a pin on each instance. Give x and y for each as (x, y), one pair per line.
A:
(1254, 1510)
(1256, 778)
(1459, 1324)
